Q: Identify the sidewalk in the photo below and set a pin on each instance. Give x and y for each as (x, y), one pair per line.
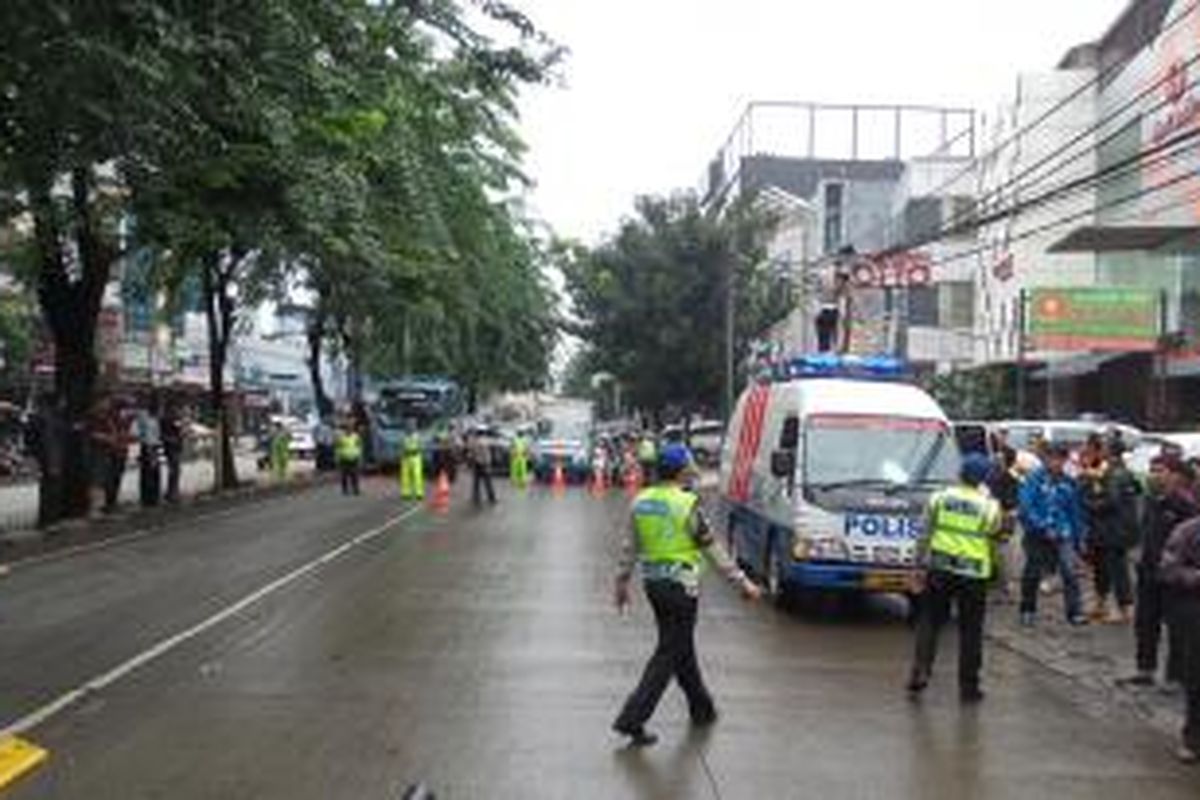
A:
(20, 540)
(1095, 658)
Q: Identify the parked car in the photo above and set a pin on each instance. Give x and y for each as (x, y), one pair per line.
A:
(573, 454)
(705, 438)
(1021, 433)
(1151, 444)
(973, 437)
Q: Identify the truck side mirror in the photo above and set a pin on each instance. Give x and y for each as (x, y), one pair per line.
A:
(783, 463)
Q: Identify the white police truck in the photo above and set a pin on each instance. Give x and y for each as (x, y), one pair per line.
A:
(825, 473)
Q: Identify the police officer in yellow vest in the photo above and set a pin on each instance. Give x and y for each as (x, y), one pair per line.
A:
(518, 463)
(348, 452)
(412, 465)
(957, 552)
(670, 539)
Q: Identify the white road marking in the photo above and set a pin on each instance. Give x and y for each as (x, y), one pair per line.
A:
(67, 699)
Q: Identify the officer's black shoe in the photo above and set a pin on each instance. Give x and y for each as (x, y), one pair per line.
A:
(638, 737)
(705, 719)
(970, 694)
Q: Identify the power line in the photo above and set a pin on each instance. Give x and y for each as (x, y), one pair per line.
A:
(1066, 220)
(1079, 137)
(1101, 76)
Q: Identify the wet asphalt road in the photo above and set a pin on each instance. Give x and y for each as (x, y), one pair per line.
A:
(479, 652)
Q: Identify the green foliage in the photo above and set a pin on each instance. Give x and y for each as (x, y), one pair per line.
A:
(363, 149)
(651, 301)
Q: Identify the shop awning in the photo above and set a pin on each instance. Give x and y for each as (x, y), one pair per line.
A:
(1115, 238)
(1074, 366)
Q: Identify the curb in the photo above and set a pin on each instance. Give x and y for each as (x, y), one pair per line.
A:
(19, 547)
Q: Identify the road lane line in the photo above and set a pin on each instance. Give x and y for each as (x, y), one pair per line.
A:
(69, 698)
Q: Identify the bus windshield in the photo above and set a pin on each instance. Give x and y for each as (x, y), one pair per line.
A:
(859, 449)
(425, 405)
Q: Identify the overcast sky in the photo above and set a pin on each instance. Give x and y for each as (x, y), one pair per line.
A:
(654, 86)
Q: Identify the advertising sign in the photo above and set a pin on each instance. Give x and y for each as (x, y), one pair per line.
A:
(1110, 320)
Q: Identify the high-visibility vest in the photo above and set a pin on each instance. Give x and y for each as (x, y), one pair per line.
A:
(662, 518)
(647, 453)
(349, 447)
(519, 446)
(412, 444)
(963, 521)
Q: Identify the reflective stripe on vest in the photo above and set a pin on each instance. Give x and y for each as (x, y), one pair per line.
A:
(662, 518)
(963, 520)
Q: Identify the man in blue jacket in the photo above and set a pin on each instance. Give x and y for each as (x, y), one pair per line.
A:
(1051, 513)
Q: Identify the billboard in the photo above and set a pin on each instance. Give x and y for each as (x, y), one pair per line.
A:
(1109, 319)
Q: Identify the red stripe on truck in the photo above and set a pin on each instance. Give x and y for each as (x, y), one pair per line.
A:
(749, 439)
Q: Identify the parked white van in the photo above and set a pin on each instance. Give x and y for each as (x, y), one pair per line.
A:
(826, 471)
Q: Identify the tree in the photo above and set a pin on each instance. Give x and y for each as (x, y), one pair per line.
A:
(80, 87)
(650, 302)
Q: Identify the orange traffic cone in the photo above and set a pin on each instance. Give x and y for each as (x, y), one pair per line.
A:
(633, 481)
(599, 483)
(440, 502)
(559, 481)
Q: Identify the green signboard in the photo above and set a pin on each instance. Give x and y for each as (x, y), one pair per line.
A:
(1108, 319)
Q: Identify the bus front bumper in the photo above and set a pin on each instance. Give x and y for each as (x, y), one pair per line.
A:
(848, 577)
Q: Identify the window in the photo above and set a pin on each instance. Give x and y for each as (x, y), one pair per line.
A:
(923, 306)
(957, 305)
(833, 216)
(789, 437)
(922, 218)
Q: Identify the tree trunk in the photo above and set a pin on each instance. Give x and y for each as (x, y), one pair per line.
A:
(316, 336)
(218, 311)
(70, 303)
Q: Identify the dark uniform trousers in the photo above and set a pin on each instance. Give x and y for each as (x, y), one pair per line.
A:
(674, 657)
(970, 594)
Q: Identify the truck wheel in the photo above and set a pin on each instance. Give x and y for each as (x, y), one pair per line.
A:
(772, 580)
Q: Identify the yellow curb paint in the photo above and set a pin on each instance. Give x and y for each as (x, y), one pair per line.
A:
(18, 757)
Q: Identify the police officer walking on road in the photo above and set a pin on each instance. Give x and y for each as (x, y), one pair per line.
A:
(669, 537)
(957, 551)
(348, 453)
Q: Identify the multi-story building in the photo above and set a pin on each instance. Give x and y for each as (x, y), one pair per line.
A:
(1093, 286)
(867, 177)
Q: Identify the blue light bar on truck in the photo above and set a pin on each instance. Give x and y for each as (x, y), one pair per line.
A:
(823, 365)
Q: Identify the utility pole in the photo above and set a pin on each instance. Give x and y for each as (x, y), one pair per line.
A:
(1021, 315)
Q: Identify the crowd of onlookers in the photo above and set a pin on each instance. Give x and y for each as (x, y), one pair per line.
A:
(1087, 522)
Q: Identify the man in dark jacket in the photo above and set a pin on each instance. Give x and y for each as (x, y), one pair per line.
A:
(1113, 528)
(1180, 573)
(1171, 502)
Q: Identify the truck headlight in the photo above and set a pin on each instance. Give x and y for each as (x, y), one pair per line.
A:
(822, 548)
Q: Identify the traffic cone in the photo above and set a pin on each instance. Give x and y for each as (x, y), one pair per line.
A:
(559, 481)
(599, 483)
(633, 481)
(440, 502)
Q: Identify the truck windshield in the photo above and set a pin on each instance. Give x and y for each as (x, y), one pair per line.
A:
(859, 450)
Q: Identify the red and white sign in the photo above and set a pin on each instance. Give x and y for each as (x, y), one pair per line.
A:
(893, 270)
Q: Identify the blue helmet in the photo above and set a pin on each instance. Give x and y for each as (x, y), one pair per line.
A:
(975, 468)
(674, 457)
